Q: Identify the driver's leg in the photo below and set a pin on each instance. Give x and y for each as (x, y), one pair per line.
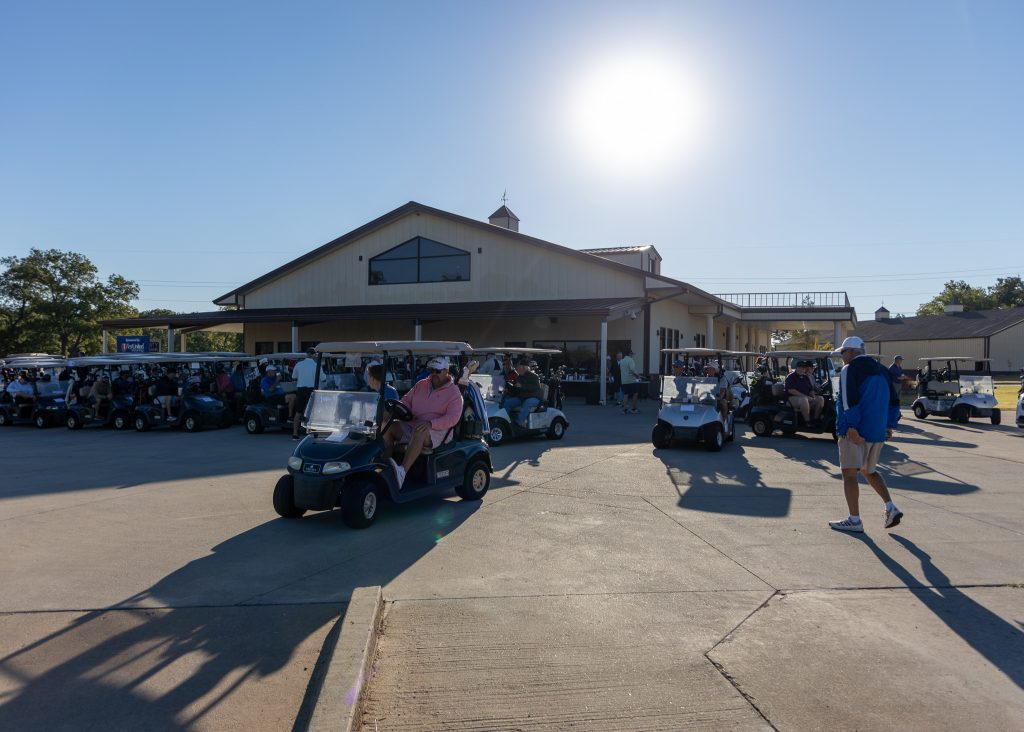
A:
(801, 405)
(391, 438)
(817, 406)
(419, 439)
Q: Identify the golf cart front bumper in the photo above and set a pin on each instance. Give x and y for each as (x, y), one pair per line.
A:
(316, 492)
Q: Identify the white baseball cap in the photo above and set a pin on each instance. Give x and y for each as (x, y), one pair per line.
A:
(851, 342)
(438, 362)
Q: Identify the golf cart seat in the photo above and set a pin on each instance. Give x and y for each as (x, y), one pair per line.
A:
(778, 390)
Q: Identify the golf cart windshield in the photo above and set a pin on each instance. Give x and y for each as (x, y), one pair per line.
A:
(50, 388)
(489, 388)
(976, 385)
(348, 411)
(688, 390)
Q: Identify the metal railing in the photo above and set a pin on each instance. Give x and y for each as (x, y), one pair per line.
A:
(787, 299)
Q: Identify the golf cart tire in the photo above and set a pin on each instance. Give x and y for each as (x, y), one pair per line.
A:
(359, 503)
(557, 429)
(476, 481)
(253, 425)
(191, 422)
(714, 437)
(498, 431)
(5, 421)
(731, 434)
(284, 498)
(141, 423)
(120, 421)
(761, 426)
(74, 422)
(661, 437)
(920, 412)
(997, 416)
(961, 414)
(41, 421)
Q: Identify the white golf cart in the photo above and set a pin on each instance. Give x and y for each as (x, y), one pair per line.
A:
(689, 403)
(546, 419)
(945, 392)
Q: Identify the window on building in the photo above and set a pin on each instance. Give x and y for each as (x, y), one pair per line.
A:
(581, 356)
(284, 346)
(419, 260)
(262, 347)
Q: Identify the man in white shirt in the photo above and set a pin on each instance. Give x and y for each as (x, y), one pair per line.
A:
(304, 374)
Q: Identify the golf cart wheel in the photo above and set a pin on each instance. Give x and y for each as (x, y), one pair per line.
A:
(497, 432)
(920, 412)
(73, 421)
(997, 416)
(141, 423)
(4, 419)
(359, 503)
(121, 421)
(557, 429)
(476, 482)
(284, 498)
(714, 437)
(761, 426)
(961, 414)
(42, 421)
(253, 425)
(191, 422)
(731, 434)
(661, 436)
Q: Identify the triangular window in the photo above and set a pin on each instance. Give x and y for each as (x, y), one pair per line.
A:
(419, 260)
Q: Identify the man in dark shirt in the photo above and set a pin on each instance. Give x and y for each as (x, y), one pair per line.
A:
(896, 370)
(525, 394)
(800, 390)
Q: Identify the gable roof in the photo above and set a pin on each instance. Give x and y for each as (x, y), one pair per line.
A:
(622, 250)
(502, 213)
(967, 324)
(413, 207)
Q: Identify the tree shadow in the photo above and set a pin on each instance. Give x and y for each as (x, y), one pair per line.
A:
(998, 641)
(167, 657)
(720, 483)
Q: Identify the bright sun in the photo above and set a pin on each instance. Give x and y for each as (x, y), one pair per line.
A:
(636, 113)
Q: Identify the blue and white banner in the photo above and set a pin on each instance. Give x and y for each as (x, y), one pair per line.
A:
(132, 344)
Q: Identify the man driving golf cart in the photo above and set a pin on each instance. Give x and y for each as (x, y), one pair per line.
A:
(803, 393)
(524, 395)
(695, 408)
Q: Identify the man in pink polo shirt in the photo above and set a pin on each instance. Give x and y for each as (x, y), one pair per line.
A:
(436, 405)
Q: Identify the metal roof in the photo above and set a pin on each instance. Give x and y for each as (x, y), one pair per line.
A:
(966, 324)
(619, 250)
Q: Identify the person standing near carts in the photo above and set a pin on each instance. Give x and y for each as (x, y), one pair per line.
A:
(629, 377)
(304, 373)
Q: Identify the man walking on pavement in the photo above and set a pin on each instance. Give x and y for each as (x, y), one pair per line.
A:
(629, 379)
(868, 410)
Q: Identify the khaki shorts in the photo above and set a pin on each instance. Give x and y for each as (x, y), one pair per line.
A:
(861, 457)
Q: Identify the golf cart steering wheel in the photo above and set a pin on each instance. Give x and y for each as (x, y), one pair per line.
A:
(398, 410)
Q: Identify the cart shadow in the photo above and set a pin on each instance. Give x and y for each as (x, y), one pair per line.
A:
(168, 656)
(1001, 643)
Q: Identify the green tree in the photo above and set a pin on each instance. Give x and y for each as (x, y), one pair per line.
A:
(52, 301)
(972, 298)
(1007, 292)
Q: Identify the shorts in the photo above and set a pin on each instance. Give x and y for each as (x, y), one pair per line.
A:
(861, 457)
(436, 436)
(631, 389)
(302, 395)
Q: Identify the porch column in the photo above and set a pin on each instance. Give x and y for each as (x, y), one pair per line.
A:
(105, 341)
(184, 343)
(710, 329)
(170, 339)
(295, 337)
(837, 333)
(732, 337)
(751, 344)
(602, 387)
(417, 332)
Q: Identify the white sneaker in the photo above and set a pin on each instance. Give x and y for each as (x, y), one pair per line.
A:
(399, 472)
(892, 517)
(847, 525)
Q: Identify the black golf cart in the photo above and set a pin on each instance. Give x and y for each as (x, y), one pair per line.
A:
(341, 461)
(262, 414)
(771, 410)
(48, 407)
(194, 409)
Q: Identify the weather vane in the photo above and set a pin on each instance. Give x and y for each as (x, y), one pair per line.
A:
(504, 197)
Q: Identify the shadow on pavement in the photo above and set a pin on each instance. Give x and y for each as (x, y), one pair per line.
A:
(132, 666)
(1000, 642)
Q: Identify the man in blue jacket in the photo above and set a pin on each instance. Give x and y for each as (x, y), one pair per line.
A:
(867, 411)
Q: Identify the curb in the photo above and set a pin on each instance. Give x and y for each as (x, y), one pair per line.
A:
(339, 701)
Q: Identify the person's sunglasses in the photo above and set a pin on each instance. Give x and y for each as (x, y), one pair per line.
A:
(436, 371)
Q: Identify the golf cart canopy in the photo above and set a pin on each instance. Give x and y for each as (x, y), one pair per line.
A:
(34, 362)
(703, 352)
(433, 348)
(523, 350)
(953, 358)
(800, 354)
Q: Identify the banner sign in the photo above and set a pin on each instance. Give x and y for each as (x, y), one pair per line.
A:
(132, 344)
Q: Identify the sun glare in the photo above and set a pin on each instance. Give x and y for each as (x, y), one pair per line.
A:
(636, 114)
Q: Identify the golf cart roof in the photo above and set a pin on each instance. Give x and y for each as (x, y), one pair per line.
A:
(953, 358)
(431, 347)
(702, 351)
(45, 362)
(513, 349)
(799, 354)
(106, 360)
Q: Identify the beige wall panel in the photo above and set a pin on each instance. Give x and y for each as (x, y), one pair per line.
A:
(913, 350)
(505, 270)
(1006, 349)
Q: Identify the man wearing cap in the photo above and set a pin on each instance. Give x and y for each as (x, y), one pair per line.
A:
(525, 394)
(436, 406)
(896, 371)
(304, 373)
(868, 410)
(800, 390)
(271, 389)
(678, 376)
(723, 395)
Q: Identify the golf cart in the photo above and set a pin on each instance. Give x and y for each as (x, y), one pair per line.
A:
(736, 372)
(49, 406)
(261, 415)
(342, 461)
(195, 409)
(546, 419)
(689, 403)
(945, 392)
(1020, 401)
(771, 410)
(117, 413)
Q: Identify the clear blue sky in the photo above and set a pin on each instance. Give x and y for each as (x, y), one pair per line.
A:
(874, 147)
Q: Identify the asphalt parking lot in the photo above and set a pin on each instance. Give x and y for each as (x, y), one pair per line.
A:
(601, 584)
